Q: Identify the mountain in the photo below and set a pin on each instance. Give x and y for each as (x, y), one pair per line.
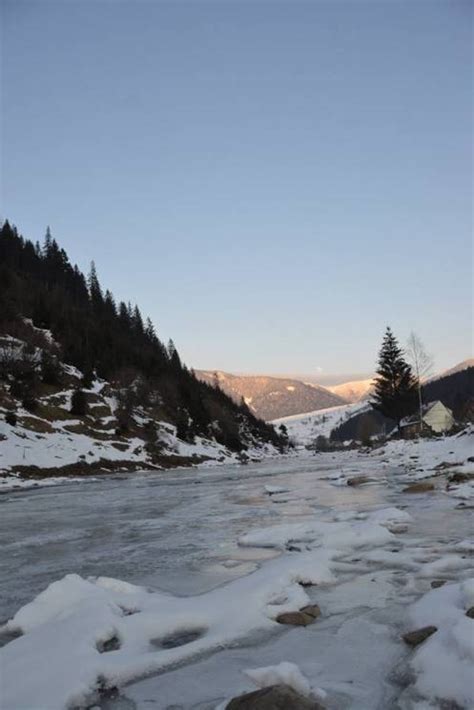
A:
(353, 391)
(464, 365)
(53, 319)
(272, 397)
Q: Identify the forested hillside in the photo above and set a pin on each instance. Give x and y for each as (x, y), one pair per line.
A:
(40, 290)
(455, 389)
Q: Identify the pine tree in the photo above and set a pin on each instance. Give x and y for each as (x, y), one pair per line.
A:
(50, 369)
(137, 321)
(48, 240)
(95, 290)
(395, 386)
(79, 403)
(150, 331)
(173, 356)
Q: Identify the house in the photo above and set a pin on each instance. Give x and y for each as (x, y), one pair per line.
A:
(436, 418)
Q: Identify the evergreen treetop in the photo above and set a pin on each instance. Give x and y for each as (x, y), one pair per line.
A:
(395, 386)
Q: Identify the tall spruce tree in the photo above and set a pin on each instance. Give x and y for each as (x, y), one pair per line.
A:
(95, 290)
(395, 386)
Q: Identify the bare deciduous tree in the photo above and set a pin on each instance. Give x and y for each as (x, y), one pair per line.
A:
(422, 364)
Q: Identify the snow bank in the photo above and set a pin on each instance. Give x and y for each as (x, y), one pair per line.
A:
(342, 535)
(284, 673)
(421, 457)
(444, 663)
(149, 631)
(272, 490)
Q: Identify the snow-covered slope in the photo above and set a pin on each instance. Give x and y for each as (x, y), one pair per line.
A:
(305, 428)
(353, 391)
(48, 440)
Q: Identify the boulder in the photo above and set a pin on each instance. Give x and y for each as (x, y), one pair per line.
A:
(275, 697)
(420, 487)
(304, 616)
(437, 583)
(294, 618)
(470, 612)
(414, 638)
(312, 610)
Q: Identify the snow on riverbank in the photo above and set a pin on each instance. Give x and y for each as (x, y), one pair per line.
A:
(366, 565)
(444, 664)
(59, 446)
(76, 619)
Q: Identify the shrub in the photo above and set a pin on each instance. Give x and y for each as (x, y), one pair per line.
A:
(321, 443)
(11, 418)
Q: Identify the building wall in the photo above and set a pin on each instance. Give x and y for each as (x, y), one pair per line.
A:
(439, 418)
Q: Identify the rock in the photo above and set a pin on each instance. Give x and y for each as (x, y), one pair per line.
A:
(111, 644)
(306, 615)
(312, 610)
(470, 459)
(294, 618)
(437, 583)
(420, 487)
(358, 480)
(414, 638)
(275, 697)
(470, 612)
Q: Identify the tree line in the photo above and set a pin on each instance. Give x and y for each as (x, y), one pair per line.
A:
(112, 340)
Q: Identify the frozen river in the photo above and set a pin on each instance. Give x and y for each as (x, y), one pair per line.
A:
(172, 530)
(177, 532)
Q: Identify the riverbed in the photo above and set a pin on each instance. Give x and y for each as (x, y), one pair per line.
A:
(178, 532)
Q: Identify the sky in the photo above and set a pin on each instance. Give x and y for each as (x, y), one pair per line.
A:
(272, 182)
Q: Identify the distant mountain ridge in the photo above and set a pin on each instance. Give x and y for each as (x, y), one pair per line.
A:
(272, 397)
(353, 391)
(460, 367)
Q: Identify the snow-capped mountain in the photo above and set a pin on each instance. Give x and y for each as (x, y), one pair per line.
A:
(272, 397)
(353, 391)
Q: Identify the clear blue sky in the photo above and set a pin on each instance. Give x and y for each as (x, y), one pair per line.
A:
(272, 182)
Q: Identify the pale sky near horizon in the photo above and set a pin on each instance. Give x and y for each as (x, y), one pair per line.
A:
(272, 182)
